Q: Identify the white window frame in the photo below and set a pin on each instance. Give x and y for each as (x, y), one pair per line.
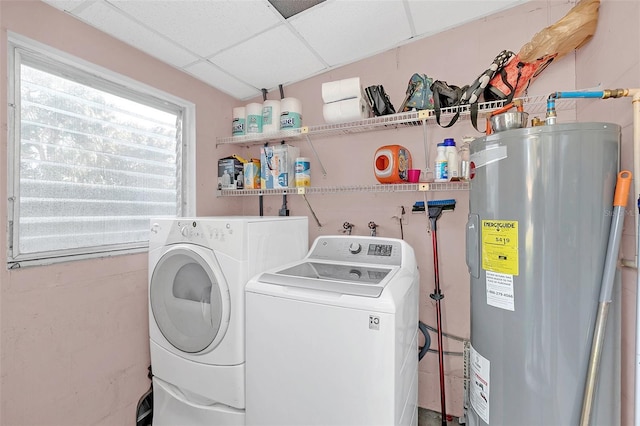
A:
(17, 45)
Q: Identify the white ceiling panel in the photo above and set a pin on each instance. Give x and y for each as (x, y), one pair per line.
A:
(343, 31)
(213, 76)
(241, 46)
(276, 57)
(111, 21)
(431, 17)
(72, 6)
(204, 27)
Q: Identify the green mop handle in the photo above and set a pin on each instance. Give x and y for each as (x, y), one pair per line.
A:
(619, 203)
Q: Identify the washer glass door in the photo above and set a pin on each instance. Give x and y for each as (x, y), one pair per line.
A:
(189, 298)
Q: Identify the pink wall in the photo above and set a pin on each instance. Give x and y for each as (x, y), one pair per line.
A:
(74, 335)
(75, 345)
(457, 56)
(612, 59)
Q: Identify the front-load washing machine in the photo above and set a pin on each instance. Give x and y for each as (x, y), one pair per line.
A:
(332, 339)
(198, 268)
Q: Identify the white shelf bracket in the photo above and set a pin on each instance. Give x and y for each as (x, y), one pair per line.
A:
(315, 154)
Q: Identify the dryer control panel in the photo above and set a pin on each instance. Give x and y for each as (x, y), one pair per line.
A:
(213, 234)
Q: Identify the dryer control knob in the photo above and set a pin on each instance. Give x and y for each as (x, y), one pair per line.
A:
(355, 248)
(185, 231)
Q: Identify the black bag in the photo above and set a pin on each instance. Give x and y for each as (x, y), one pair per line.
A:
(476, 89)
(446, 96)
(379, 100)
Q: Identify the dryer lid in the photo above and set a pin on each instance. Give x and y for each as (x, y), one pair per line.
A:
(189, 298)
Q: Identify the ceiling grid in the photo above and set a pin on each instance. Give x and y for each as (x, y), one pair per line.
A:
(240, 47)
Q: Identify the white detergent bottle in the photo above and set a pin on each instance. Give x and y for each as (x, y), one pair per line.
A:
(441, 169)
(452, 159)
(226, 179)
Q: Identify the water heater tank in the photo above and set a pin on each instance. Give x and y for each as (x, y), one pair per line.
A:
(540, 212)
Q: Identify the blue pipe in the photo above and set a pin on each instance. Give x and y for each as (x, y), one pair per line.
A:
(598, 94)
(551, 101)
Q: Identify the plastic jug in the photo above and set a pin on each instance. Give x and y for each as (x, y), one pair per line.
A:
(391, 164)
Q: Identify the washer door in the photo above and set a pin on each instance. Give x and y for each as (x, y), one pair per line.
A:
(190, 298)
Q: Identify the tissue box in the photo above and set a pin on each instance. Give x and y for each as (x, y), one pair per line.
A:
(230, 173)
(252, 174)
(278, 166)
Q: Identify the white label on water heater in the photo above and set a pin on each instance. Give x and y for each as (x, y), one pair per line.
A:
(479, 388)
(500, 290)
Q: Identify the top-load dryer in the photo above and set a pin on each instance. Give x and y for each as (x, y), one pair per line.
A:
(198, 269)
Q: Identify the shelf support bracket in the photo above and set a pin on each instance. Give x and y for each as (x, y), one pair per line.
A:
(426, 148)
(315, 154)
(301, 191)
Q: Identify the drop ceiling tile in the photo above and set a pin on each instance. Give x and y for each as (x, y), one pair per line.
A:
(203, 27)
(213, 76)
(344, 31)
(443, 15)
(276, 57)
(111, 21)
(69, 5)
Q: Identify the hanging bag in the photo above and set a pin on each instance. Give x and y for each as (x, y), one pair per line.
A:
(514, 78)
(379, 100)
(446, 96)
(419, 95)
(473, 92)
(475, 89)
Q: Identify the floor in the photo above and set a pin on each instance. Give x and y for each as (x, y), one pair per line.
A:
(432, 418)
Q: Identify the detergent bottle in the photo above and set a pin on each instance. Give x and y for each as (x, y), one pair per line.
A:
(441, 170)
(452, 159)
(391, 164)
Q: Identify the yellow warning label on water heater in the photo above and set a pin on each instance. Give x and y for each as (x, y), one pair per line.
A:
(500, 246)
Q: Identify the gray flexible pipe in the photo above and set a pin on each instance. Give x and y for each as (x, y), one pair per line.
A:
(427, 340)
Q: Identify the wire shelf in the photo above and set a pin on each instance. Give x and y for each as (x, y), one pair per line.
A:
(532, 104)
(386, 188)
(259, 138)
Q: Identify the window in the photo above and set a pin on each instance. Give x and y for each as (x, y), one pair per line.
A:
(91, 159)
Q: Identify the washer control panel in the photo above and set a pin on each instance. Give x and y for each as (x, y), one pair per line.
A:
(374, 250)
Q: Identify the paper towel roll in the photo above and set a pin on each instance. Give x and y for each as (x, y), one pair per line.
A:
(348, 110)
(342, 89)
(291, 113)
(238, 123)
(271, 116)
(254, 118)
